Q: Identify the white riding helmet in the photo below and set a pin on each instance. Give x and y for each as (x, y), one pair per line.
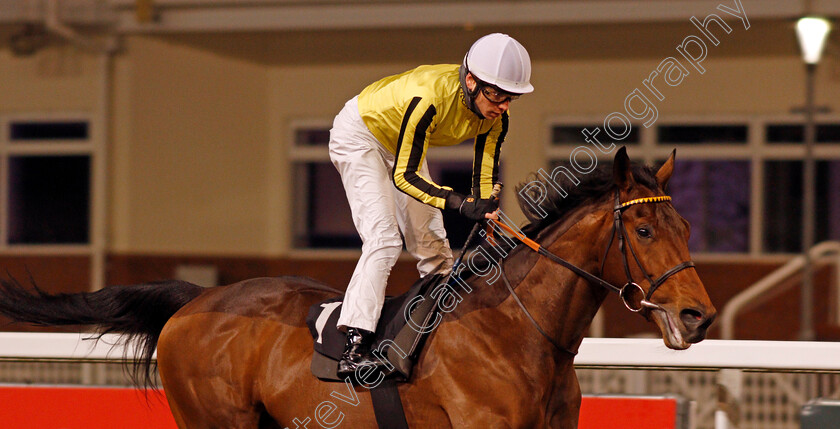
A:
(499, 60)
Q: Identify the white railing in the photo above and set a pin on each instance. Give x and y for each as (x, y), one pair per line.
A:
(774, 282)
(779, 356)
(742, 369)
(736, 390)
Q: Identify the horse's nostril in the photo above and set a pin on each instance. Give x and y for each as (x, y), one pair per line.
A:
(692, 318)
(696, 322)
(708, 322)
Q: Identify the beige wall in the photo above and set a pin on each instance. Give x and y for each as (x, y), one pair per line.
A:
(198, 160)
(190, 151)
(59, 78)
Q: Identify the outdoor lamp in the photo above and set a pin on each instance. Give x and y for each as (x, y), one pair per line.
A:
(812, 33)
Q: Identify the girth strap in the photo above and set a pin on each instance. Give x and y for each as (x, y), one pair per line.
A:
(387, 406)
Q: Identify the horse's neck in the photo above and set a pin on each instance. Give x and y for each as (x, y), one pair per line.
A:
(561, 302)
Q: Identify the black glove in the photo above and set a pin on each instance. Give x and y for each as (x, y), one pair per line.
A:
(475, 208)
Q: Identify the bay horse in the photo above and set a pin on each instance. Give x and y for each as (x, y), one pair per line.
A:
(238, 356)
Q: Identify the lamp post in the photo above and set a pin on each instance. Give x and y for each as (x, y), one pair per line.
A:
(812, 33)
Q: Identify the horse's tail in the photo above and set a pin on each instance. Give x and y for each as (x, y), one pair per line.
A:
(137, 313)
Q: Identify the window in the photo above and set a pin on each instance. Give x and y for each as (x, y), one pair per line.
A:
(713, 196)
(46, 171)
(579, 133)
(322, 218)
(312, 137)
(34, 131)
(49, 199)
(737, 181)
(795, 133)
(702, 134)
(783, 204)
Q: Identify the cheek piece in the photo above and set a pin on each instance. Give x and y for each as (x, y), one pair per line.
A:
(469, 96)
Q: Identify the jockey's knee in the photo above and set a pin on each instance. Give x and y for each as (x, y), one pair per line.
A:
(384, 248)
(437, 263)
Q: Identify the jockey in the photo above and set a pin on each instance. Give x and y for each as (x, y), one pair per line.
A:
(378, 144)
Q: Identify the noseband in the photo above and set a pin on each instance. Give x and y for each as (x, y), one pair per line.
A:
(633, 296)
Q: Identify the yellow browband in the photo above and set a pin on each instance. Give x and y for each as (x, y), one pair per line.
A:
(645, 200)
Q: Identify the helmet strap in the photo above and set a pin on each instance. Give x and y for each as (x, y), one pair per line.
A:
(469, 96)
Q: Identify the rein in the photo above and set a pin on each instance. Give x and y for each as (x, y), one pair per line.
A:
(631, 290)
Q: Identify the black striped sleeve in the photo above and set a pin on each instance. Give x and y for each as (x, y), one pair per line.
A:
(488, 148)
(411, 151)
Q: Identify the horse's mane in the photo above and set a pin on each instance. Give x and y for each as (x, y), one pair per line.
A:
(592, 187)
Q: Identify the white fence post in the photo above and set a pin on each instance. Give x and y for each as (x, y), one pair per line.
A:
(730, 387)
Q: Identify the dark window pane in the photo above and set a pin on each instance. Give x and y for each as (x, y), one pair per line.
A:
(783, 204)
(326, 222)
(829, 133)
(458, 176)
(785, 133)
(713, 196)
(795, 133)
(573, 134)
(57, 130)
(828, 201)
(49, 199)
(312, 137)
(698, 134)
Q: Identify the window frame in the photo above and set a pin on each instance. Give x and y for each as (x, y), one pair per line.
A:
(90, 147)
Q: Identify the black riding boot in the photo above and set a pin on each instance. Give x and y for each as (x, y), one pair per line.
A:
(356, 352)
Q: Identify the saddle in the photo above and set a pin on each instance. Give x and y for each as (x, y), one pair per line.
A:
(400, 334)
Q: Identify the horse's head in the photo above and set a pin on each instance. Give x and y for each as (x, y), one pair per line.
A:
(649, 247)
(625, 236)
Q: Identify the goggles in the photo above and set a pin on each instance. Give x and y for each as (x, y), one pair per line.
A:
(497, 97)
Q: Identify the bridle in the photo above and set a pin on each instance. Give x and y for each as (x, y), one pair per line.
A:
(632, 294)
(631, 287)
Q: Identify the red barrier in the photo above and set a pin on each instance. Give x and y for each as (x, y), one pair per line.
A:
(30, 407)
(43, 407)
(629, 412)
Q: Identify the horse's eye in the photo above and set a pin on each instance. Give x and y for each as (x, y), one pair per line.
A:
(644, 232)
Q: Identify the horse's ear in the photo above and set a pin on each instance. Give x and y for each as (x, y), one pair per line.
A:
(621, 170)
(665, 171)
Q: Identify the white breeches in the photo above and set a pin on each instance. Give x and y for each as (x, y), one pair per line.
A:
(380, 211)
